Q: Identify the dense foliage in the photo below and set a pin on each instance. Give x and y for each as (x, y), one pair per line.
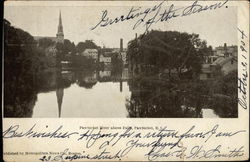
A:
(81, 46)
(22, 60)
(165, 68)
(170, 50)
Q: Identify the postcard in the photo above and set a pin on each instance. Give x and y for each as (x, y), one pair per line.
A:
(125, 80)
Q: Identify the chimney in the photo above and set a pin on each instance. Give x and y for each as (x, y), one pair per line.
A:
(121, 45)
(225, 49)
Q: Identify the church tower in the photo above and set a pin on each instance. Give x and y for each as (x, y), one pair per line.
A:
(60, 35)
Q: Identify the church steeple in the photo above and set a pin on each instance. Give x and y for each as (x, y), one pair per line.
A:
(60, 35)
(60, 19)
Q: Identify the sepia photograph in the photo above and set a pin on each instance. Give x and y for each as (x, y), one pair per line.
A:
(59, 63)
(125, 80)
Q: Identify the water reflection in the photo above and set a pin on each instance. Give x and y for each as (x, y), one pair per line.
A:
(20, 93)
(86, 79)
(155, 96)
(156, 99)
(82, 102)
(82, 93)
(160, 98)
(111, 93)
(59, 91)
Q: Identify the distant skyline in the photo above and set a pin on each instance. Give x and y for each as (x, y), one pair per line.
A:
(216, 27)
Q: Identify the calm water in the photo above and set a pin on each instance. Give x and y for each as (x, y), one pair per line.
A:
(101, 94)
(102, 100)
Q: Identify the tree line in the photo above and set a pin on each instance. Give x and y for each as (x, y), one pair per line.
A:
(175, 51)
(167, 64)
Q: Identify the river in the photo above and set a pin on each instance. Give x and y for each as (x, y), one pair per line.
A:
(102, 100)
(87, 94)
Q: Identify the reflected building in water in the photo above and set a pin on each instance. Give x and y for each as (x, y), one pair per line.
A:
(57, 80)
(105, 73)
(59, 96)
(86, 78)
(63, 80)
(59, 91)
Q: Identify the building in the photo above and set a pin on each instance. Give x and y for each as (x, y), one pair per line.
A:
(225, 51)
(224, 57)
(227, 58)
(90, 53)
(233, 50)
(227, 64)
(210, 59)
(106, 58)
(115, 50)
(59, 36)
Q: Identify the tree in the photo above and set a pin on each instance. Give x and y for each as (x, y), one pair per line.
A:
(45, 42)
(81, 46)
(68, 46)
(22, 61)
(170, 50)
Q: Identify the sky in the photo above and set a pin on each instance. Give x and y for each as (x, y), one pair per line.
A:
(216, 27)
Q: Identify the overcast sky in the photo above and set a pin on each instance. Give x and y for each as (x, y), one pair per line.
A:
(216, 27)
